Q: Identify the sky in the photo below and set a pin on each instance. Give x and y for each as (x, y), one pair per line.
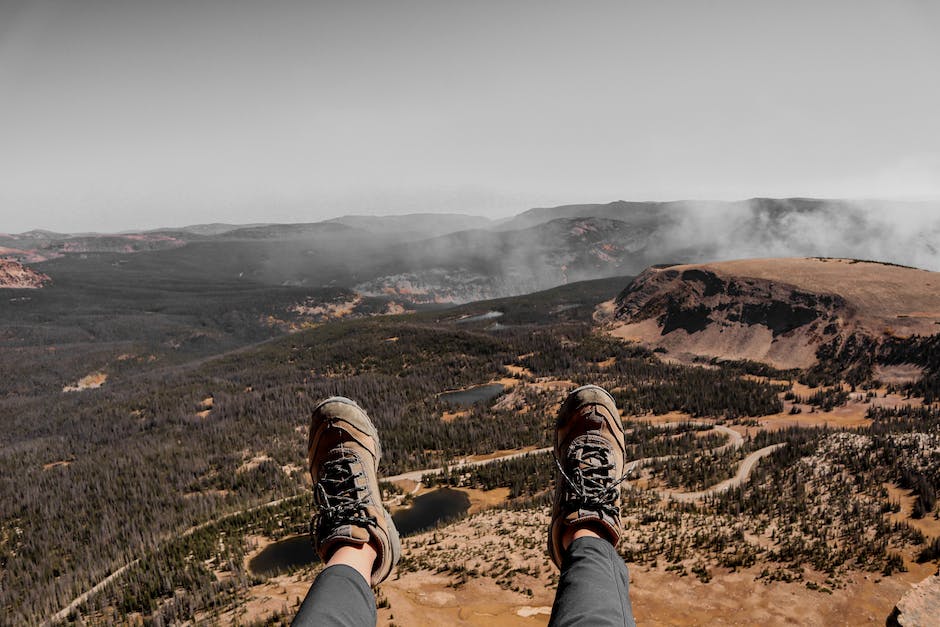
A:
(146, 113)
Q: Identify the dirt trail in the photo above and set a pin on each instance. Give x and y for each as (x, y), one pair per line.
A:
(63, 614)
(735, 441)
(743, 474)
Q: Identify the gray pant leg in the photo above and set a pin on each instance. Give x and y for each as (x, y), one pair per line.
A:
(339, 597)
(594, 587)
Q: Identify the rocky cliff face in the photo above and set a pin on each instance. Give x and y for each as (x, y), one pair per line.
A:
(920, 606)
(15, 275)
(702, 312)
(776, 311)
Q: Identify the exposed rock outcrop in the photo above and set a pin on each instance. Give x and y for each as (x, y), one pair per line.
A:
(919, 607)
(15, 275)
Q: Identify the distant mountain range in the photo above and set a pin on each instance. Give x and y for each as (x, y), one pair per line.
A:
(458, 258)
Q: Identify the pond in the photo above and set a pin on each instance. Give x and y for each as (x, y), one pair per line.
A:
(473, 395)
(430, 509)
(425, 512)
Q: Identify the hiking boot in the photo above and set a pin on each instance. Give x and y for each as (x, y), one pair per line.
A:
(343, 453)
(589, 454)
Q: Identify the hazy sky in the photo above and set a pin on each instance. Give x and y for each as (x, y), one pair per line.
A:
(126, 113)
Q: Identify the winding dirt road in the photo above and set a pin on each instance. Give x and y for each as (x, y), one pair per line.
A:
(743, 474)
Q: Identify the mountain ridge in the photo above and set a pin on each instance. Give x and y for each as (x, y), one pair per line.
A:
(779, 311)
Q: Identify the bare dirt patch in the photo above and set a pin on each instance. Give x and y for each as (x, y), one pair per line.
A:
(553, 385)
(217, 493)
(252, 463)
(427, 600)
(485, 499)
(407, 485)
(92, 381)
(327, 311)
(900, 374)
(449, 416)
(59, 464)
(496, 542)
(518, 371)
(277, 596)
(928, 525)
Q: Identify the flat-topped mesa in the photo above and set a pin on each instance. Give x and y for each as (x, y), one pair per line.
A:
(15, 275)
(779, 311)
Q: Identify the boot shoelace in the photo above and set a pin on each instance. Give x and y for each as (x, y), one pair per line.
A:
(337, 496)
(591, 485)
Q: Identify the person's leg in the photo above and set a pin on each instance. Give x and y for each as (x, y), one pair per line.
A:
(340, 596)
(585, 526)
(351, 529)
(594, 586)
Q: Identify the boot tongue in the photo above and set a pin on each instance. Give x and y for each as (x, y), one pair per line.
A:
(588, 451)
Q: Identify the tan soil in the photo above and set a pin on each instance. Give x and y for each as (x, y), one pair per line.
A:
(330, 311)
(903, 373)
(658, 597)
(60, 463)
(850, 415)
(407, 485)
(928, 525)
(449, 416)
(394, 309)
(754, 342)
(219, 493)
(518, 371)
(252, 463)
(90, 382)
(485, 499)
(553, 385)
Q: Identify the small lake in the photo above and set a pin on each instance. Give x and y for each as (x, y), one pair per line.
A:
(426, 511)
(283, 555)
(470, 396)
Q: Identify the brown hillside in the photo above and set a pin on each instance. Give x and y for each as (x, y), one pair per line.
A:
(775, 310)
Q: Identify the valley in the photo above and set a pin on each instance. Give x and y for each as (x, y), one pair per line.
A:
(782, 420)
